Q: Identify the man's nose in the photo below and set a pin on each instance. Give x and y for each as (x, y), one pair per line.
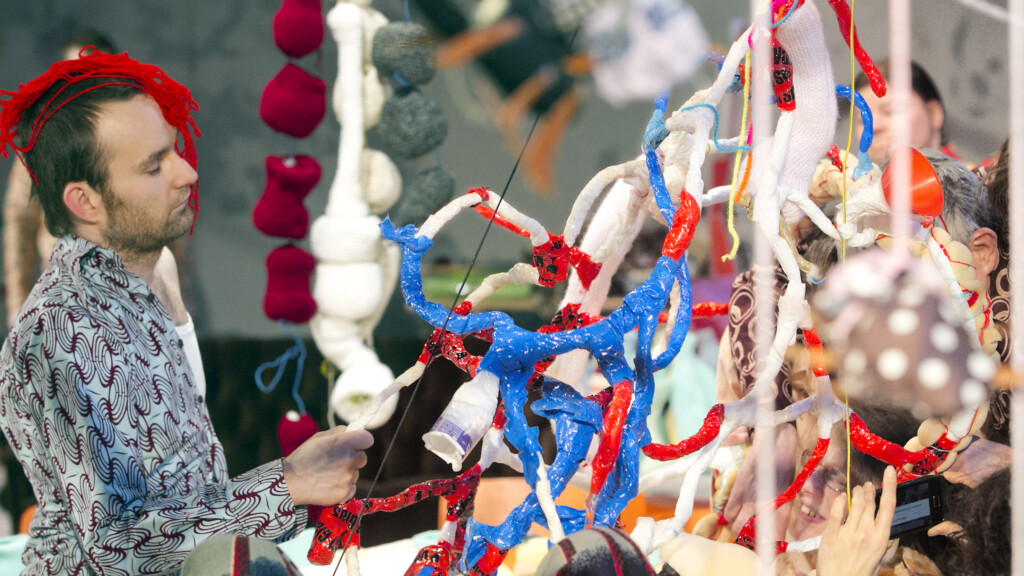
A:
(186, 175)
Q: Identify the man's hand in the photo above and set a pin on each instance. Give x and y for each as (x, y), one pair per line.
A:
(855, 547)
(324, 469)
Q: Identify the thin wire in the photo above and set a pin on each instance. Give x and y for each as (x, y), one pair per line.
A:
(455, 301)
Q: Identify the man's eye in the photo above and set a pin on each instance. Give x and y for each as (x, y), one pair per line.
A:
(154, 171)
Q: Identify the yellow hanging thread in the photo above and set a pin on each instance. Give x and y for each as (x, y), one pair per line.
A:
(849, 142)
(733, 195)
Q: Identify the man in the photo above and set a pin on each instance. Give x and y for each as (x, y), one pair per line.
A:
(97, 397)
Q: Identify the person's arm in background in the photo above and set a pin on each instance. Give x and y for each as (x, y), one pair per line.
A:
(22, 219)
(855, 546)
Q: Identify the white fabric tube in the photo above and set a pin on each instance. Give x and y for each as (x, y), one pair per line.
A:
(351, 291)
(345, 239)
(346, 194)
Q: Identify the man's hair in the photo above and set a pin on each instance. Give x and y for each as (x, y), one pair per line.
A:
(51, 122)
(998, 183)
(920, 82)
(66, 149)
(966, 206)
(983, 546)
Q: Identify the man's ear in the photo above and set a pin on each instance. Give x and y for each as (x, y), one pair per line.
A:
(936, 115)
(83, 202)
(984, 251)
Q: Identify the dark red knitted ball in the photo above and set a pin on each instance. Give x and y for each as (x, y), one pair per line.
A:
(279, 211)
(299, 27)
(288, 297)
(294, 101)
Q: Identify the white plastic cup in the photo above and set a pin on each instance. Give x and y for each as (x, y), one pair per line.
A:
(465, 421)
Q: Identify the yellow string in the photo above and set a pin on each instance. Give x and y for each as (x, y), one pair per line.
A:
(736, 163)
(849, 142)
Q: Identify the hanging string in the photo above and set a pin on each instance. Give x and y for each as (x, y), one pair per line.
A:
(731, 221)
(296, 351)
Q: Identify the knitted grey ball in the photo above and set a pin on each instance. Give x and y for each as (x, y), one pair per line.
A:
(405, 48)
(411, 125)
(428, 192)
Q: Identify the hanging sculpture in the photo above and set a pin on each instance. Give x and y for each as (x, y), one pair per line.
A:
(666, 184)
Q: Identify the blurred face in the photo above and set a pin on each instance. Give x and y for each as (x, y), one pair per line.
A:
(146, 198)
(827, 483)
(926, 119)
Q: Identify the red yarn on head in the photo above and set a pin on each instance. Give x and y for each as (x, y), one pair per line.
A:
(174, 99)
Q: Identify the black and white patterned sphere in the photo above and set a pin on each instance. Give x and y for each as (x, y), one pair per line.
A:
(233, 555)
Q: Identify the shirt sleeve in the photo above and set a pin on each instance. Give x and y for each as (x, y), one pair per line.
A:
(134, 470)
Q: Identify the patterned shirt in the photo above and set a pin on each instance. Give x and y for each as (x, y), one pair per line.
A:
(98, 402)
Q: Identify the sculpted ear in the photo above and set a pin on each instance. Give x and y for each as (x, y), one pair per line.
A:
(84, 203)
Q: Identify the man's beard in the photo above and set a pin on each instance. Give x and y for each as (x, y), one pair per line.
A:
(131, 232)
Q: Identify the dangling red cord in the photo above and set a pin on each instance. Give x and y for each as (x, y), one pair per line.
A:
(866, 64)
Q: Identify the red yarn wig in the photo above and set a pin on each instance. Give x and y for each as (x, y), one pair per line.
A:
(174, 99)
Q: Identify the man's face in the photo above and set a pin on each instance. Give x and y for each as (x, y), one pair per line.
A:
(148, 184)
(926, 120)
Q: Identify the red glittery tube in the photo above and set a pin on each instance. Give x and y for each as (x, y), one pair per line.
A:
(870, 70)
(489, 562)
(814, 346)
(708, 432)
(684, 224)
(924, 461)
(709, 309)
(486, 212)
(338, 526)
(611, 438)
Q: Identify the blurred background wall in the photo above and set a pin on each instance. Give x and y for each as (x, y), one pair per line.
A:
(224, 52)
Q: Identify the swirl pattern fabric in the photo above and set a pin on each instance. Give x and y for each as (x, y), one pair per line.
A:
(98, 402)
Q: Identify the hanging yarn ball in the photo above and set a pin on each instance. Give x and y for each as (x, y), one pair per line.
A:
(374, 94)
(279, 211)
(299, 27)
(411, 125)
(293, 429)
(406, 49)
(294, 102)
(428, 192)
(288, 296)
